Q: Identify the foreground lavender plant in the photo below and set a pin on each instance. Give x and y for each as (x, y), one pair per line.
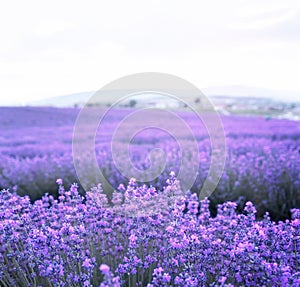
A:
(93, 241)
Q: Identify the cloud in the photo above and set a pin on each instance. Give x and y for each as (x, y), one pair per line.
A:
(60, 47)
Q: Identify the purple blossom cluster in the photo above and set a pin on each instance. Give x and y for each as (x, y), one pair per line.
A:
(123, 239)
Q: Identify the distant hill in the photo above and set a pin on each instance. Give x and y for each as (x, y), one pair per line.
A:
(252, 92)
(240, 92)
(63, 101)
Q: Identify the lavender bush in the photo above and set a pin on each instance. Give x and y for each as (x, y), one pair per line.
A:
(107, 241)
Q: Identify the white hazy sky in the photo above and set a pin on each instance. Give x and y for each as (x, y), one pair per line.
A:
(51, 48)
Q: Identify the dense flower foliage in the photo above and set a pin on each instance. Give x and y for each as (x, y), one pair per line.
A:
(141, 236)
(262, 166)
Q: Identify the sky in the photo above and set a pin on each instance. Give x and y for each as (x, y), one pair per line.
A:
(53, 48)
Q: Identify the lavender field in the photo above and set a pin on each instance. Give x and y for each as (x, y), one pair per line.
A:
(53, 233)
(262, 160)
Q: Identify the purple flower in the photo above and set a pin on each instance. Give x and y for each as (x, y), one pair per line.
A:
(250, 208)
(158, 271)
(166, 278)
(59, 181)
(87, 263)
(104, 269)
(74, 188)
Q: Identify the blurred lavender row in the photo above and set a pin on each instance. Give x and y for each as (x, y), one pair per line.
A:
(263, 162)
